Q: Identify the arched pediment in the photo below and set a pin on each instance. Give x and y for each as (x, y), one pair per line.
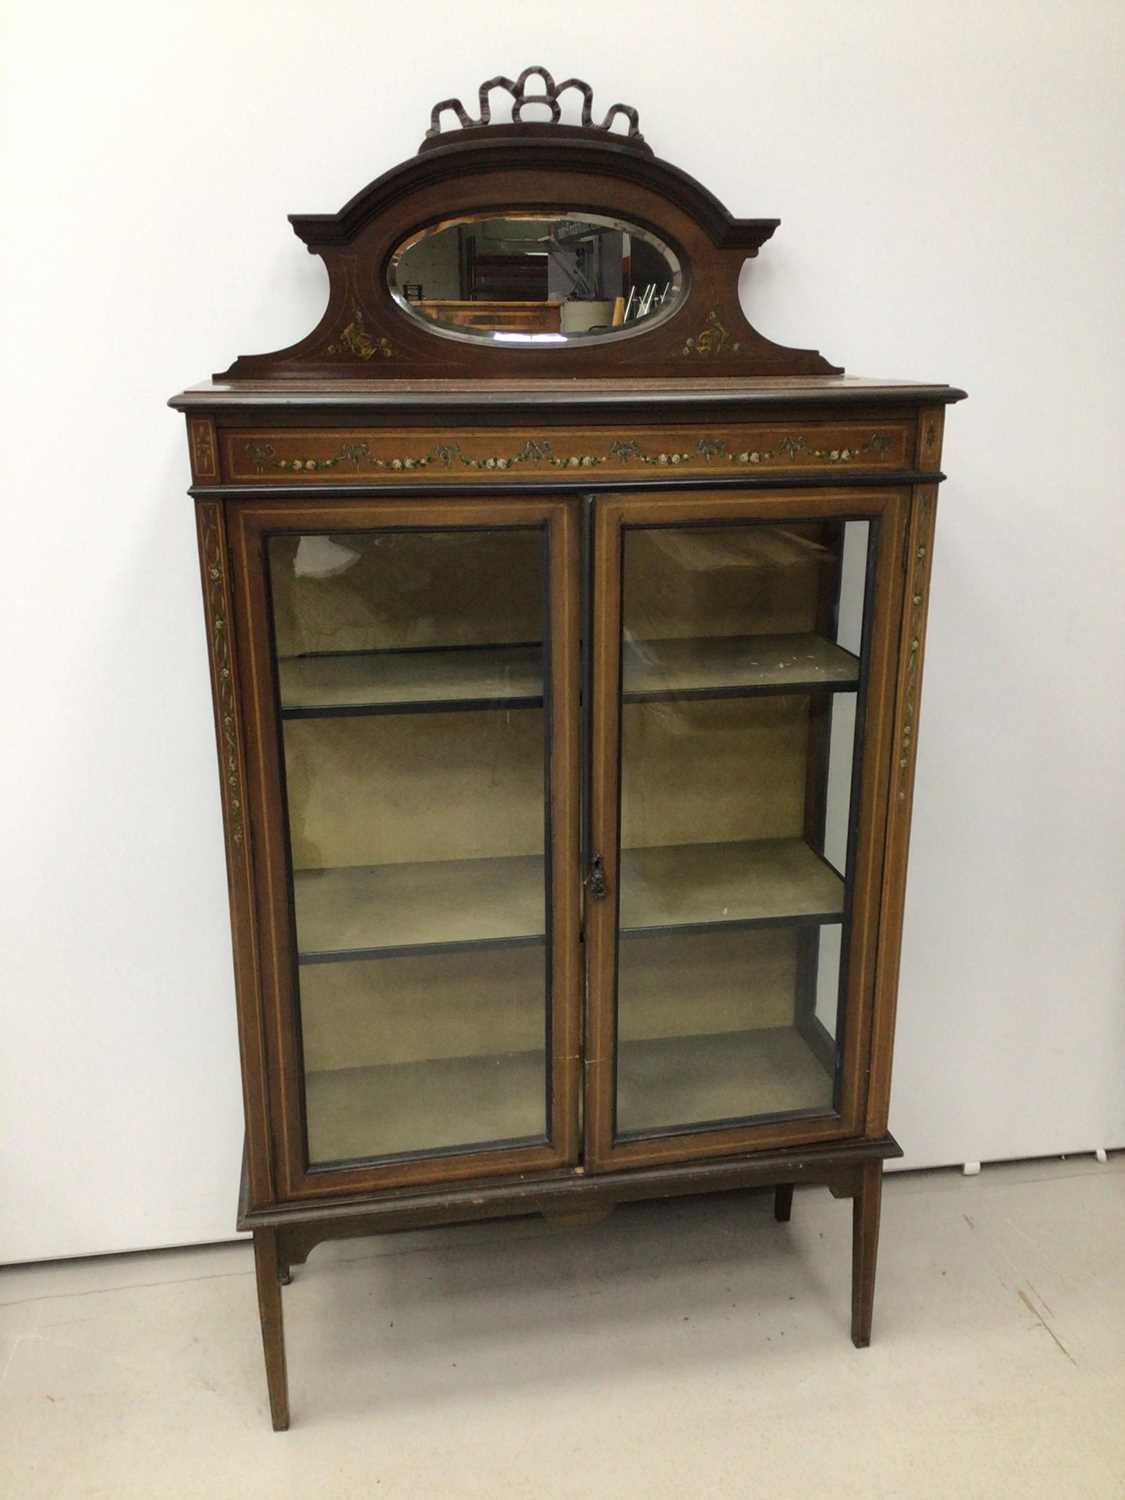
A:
(528, 169)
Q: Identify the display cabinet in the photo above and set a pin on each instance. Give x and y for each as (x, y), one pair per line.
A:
(566, 643)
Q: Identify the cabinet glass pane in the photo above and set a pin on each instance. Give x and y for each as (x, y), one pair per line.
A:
(741, 671)
(410, 673)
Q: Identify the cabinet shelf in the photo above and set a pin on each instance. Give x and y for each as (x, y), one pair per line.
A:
(749, 883)
(387, 682)
(382, 911)
(448, 1103)
(676, 1083)
(385, 911)
(735, 666)
(476, 677)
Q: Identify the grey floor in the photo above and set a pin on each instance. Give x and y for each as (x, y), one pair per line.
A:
(687, 1349)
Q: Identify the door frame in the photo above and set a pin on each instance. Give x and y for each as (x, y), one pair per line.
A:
(889, 507)
(251, 522)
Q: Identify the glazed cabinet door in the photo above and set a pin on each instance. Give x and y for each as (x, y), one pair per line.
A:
(742, 668)
(414, 806)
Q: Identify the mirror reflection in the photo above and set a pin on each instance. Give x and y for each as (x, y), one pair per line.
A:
(533, 278)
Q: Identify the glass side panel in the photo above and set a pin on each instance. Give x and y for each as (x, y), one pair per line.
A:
(741, 669)
(411, 672)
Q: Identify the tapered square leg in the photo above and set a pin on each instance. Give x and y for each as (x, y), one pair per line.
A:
(865, 1248)
(783, 1202)
(267, 1267)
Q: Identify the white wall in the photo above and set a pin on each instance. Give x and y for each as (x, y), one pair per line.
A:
(949, 177)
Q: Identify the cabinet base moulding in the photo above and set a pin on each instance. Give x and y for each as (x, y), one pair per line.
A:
(567, 1191)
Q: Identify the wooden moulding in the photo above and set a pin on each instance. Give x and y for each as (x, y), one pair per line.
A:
(304, 1225)
(343, 402)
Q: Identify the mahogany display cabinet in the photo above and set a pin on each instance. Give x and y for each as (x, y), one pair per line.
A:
(566, 644)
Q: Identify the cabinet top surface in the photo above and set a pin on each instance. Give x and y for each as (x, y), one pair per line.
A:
(396, 395)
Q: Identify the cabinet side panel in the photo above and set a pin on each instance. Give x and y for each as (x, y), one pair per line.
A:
(912, 644)
(215, 568)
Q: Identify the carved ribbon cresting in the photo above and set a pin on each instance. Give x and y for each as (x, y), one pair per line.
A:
(549, 99)
(218, 624)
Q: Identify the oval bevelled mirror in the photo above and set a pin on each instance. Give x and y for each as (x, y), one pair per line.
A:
(535, 278)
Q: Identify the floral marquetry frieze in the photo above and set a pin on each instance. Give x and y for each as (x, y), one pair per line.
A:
(365, 455)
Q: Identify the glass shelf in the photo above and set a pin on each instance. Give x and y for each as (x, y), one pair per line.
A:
(418, 681)
(377, 911)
